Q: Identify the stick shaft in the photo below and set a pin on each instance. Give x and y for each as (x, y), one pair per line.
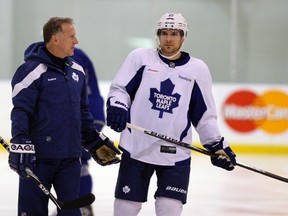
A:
(203, 151)
(35, 179)
(77, 203)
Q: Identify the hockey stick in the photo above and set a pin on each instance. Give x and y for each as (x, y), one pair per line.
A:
(77, 203)
(203, 151)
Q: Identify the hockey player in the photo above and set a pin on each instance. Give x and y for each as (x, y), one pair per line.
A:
(50, 120)
(97, 110)
(167, 91)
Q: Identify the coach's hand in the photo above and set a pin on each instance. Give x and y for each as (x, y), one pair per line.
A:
(224, 156)
(102, 150)
(22, 155)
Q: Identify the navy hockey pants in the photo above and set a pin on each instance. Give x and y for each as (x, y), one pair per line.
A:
(63, 174)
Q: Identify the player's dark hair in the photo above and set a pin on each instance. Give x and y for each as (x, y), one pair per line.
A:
(54, 25)
(159, 32)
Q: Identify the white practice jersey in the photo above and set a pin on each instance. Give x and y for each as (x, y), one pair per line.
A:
(168, 97)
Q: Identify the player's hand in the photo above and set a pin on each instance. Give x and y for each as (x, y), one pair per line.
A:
(22, 155)
(116, 118)
(224, 156)
(103, 150)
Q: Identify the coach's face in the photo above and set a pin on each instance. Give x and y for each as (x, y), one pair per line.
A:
(66, 40)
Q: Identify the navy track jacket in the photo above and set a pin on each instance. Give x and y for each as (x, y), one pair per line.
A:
(50, 105)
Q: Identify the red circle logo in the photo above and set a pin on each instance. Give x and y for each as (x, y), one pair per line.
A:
(245, 111)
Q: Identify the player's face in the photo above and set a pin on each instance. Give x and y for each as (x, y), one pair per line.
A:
(170, 41)
(66, 40)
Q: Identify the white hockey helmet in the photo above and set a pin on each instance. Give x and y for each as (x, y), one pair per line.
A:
(172, 21)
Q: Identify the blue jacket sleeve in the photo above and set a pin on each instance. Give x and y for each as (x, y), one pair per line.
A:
(96, 101)
(24, 102)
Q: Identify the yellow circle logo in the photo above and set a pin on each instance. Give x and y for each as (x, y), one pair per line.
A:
(245, 111)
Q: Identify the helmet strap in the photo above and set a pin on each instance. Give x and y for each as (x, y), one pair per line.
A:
(168, 57)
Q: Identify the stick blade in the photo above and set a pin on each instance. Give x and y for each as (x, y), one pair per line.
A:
(85, 200)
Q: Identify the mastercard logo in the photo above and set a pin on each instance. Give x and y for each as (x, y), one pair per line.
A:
(245, 111)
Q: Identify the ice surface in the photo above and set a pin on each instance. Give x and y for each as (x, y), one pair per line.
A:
(212, 191)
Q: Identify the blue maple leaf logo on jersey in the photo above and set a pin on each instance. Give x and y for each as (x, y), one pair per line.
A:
(164, 100)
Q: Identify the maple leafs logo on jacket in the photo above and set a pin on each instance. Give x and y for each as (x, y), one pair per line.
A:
(164, 100)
